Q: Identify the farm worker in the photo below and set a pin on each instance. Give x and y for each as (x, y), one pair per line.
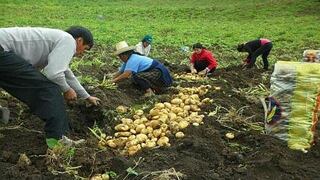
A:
(144, 46)
(256, 48)
(24, 51)
(147, 73)
(202, 61)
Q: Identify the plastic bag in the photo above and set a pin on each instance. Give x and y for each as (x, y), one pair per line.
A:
(291, 110)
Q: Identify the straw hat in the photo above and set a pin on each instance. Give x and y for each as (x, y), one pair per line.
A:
(122, 47)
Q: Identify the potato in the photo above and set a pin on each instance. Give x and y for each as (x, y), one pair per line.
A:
(154, 124)
(155, 117)
(137, 122)
(230, 135)
(140, 127)
(133, 150)
(176, 110)
(133, 131)
(172, 116)
(154, 112)
(205, 100)
(179, 134)
(164, 127)
(105, 176)
(168, 105)
(96, 177)
(111, 143)
(136, 117)
(163, 141)
(187, 107)
(139, 112)
(159, 105)
(149, 129)
(183, 124)
(132, 137)
(132, 143)
(150, 144)
(195, 124)
(122, 134)
(157, 132)
(121, 127)
(176, 101)
(122, 109)
(144, 131)
(141, 138)
(126, 121)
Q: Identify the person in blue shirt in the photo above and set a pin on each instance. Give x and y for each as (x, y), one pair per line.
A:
(147, 73)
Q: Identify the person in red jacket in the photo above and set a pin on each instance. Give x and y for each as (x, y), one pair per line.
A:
(202, 60)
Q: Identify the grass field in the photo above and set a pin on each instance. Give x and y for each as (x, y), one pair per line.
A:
(293, 25)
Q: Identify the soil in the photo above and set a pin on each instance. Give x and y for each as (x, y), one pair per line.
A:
(204, 153)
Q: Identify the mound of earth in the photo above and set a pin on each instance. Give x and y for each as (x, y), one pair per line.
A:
(204, 153)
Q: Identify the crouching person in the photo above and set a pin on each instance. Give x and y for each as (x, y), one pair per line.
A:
(149, 74)
(23, 52)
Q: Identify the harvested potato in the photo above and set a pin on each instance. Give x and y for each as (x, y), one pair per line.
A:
(230, 135)
(126, 121)
(139, 112)
(183, 124)
(140, 127)
(168, 105)
(159, 105)
(122, 134)
(122, 109)
(163, 141)
(154, 112)
(111, 143)
(176, 101)
(157, 132)
(121, 127)
(133, 150)
(141, 138)
(179, 134)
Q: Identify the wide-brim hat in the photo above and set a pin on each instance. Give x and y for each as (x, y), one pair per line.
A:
(122, 47)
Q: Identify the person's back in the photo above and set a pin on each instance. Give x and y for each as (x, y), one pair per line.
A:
(35, 44)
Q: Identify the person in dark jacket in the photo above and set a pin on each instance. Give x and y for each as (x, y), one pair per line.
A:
(256, 48)
(147, 73)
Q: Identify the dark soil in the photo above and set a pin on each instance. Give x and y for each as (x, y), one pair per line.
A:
(205, 152)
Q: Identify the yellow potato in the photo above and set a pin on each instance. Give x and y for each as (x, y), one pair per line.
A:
(133, 150)
(140, 127)
(168, 105)
(141, 138)
(126, 121)
(154, 112)
(121, 127)
(111, 143)
(163, 141)
(183, 124)
(179, 134)
(122, 109)
(176, 101)
(157, 132)
(159, 105)
(139, 112)
(122, 134)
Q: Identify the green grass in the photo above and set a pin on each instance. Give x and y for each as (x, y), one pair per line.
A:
(293, 25)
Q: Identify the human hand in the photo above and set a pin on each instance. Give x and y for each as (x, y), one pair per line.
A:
(204, 72)
(70, 95)
(93, 100)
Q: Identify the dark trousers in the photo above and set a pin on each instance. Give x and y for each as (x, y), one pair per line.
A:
(264, 51)
(149, 79)
(201, 65)
(44, 98)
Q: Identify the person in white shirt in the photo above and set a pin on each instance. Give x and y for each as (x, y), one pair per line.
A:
(24, 51)
(144, 46)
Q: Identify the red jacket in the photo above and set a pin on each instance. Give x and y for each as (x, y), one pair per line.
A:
(205, 55)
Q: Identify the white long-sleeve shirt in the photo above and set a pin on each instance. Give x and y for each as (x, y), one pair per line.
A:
(50, 50)
(142, 50)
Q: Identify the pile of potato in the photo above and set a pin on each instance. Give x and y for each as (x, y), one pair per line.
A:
(189, 77)
(148, 130)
